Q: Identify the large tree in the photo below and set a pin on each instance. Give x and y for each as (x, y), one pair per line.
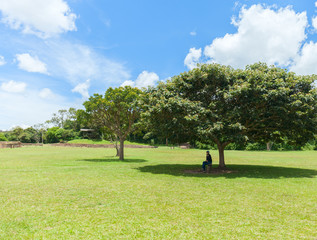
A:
(168, 116)
(226, 105)
(116, 111)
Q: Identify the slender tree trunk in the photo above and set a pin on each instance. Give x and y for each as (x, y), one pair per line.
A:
(117, 148)
(121, 152)
(166, 141)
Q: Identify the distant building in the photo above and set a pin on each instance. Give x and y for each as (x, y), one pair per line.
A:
(87, 133)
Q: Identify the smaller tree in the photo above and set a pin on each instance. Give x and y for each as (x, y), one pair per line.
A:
(116, 111)
(66, 119)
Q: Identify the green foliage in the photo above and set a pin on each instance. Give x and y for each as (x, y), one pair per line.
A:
(14, 135)
(169, 116)
(50, 135)
(115, 113)
(276, 104)
(29, 135)
(56, 134)
(228, 106)
(204, 146)
(69, 119)
(3, 137)
(236, 146)
(255, 147)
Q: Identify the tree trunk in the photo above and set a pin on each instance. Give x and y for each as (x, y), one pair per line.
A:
(166, 141)
(269, 146)
(221, 150)
(121, 152)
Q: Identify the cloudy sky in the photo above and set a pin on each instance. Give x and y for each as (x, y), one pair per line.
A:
(54, 54)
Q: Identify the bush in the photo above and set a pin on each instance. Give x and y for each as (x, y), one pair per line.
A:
(311, 145)
(235, 146)
(255, 147)
(3, 137)
(56, 134)
(204, 146)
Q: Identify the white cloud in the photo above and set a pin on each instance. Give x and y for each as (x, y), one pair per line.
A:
(13, 87)
(315, 4)
(28, 108)
(145, 79)
(128, 83)
(77, 63)
(31, 64)
(24, 126)
(2, 61)
(306, 62)
(82, 88)
(193, 33)
(47, 93)
(263, 35)
(314, 21)
(42, 18)
(192, 58)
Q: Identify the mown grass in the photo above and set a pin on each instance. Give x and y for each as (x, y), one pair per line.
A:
(91, 141)
(83, 193)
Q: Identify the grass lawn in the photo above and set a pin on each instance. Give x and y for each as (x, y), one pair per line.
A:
(90, 141)
(82, 193)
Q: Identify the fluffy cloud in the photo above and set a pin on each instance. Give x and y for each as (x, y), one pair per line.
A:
(2, 61)
(263, 35)
(46, 93)
(144, 79)
(192, 58)
(13, 87)
(314, 21)
(82, 89)
(31, 64)
(128, 83)
(42, 18)
(306, 62)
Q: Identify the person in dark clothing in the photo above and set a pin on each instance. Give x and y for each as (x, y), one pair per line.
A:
(207, 162)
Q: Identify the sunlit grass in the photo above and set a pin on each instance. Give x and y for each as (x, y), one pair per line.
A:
(90, 141)
(83, 193)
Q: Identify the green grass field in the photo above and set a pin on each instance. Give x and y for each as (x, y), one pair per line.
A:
(82, 193)
(90, 141)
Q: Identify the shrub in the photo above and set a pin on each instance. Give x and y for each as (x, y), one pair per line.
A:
(255, 147)
(2, 137)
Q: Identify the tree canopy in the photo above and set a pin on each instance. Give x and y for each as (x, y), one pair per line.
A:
(116, 111)
(224, 105)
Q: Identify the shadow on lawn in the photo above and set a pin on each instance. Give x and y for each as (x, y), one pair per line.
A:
(114, 160)
(234, 171)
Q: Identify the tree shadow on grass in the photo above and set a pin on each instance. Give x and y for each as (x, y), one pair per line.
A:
(105, 160)
(232, 171)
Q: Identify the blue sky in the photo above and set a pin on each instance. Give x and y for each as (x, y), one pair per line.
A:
(54, 54)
